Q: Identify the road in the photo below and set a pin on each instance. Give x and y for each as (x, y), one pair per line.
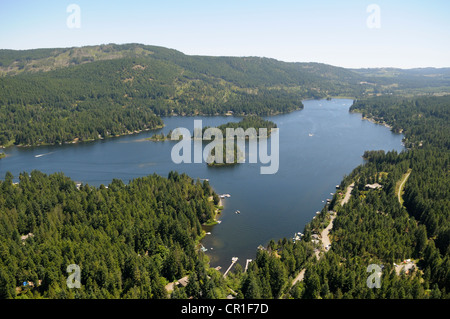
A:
(325, 238)
(400, 188)
(348, 194)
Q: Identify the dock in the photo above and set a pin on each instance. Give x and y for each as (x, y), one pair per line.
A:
(233, 261)
(246, 264)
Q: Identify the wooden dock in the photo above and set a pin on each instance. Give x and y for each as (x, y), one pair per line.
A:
(246, 264)
(233, 261)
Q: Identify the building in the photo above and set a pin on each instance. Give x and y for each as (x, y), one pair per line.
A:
(373, 186)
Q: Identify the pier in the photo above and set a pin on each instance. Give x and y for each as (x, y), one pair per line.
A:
(246, 264)
(233, 261)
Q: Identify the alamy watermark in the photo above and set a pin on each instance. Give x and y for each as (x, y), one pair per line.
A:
(74, 279)
(374, 279)
(74, 19)
(257, 142)
(374, 19)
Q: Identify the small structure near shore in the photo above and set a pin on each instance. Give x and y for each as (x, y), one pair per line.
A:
(373, 186)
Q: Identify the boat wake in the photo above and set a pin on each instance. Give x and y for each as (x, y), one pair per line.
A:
(40, 155)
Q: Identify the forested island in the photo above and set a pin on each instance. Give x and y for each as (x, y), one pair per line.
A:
(248, 122)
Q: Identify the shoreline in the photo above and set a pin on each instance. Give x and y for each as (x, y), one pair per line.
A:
(77, 140)
(372, 120)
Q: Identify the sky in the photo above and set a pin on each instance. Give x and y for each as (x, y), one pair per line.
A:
(352, 34)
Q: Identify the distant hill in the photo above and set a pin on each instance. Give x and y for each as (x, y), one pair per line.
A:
(64, 94)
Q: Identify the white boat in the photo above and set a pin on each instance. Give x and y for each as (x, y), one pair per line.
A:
(238, 212)
(39, 155)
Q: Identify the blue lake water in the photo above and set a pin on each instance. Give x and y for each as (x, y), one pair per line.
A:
(318, 146)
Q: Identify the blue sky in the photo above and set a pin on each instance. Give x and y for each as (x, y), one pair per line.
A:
(411, 34)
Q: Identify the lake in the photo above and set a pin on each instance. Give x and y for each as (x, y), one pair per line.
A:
(318, 146)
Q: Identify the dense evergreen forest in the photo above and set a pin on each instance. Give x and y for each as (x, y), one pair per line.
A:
(129, 240)
(54, 96)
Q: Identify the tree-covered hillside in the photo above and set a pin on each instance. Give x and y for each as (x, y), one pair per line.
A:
(53, 96)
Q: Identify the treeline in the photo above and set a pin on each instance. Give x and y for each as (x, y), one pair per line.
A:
(128, 240)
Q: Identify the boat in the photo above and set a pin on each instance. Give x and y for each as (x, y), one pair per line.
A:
(238, 212)
(311, 134)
